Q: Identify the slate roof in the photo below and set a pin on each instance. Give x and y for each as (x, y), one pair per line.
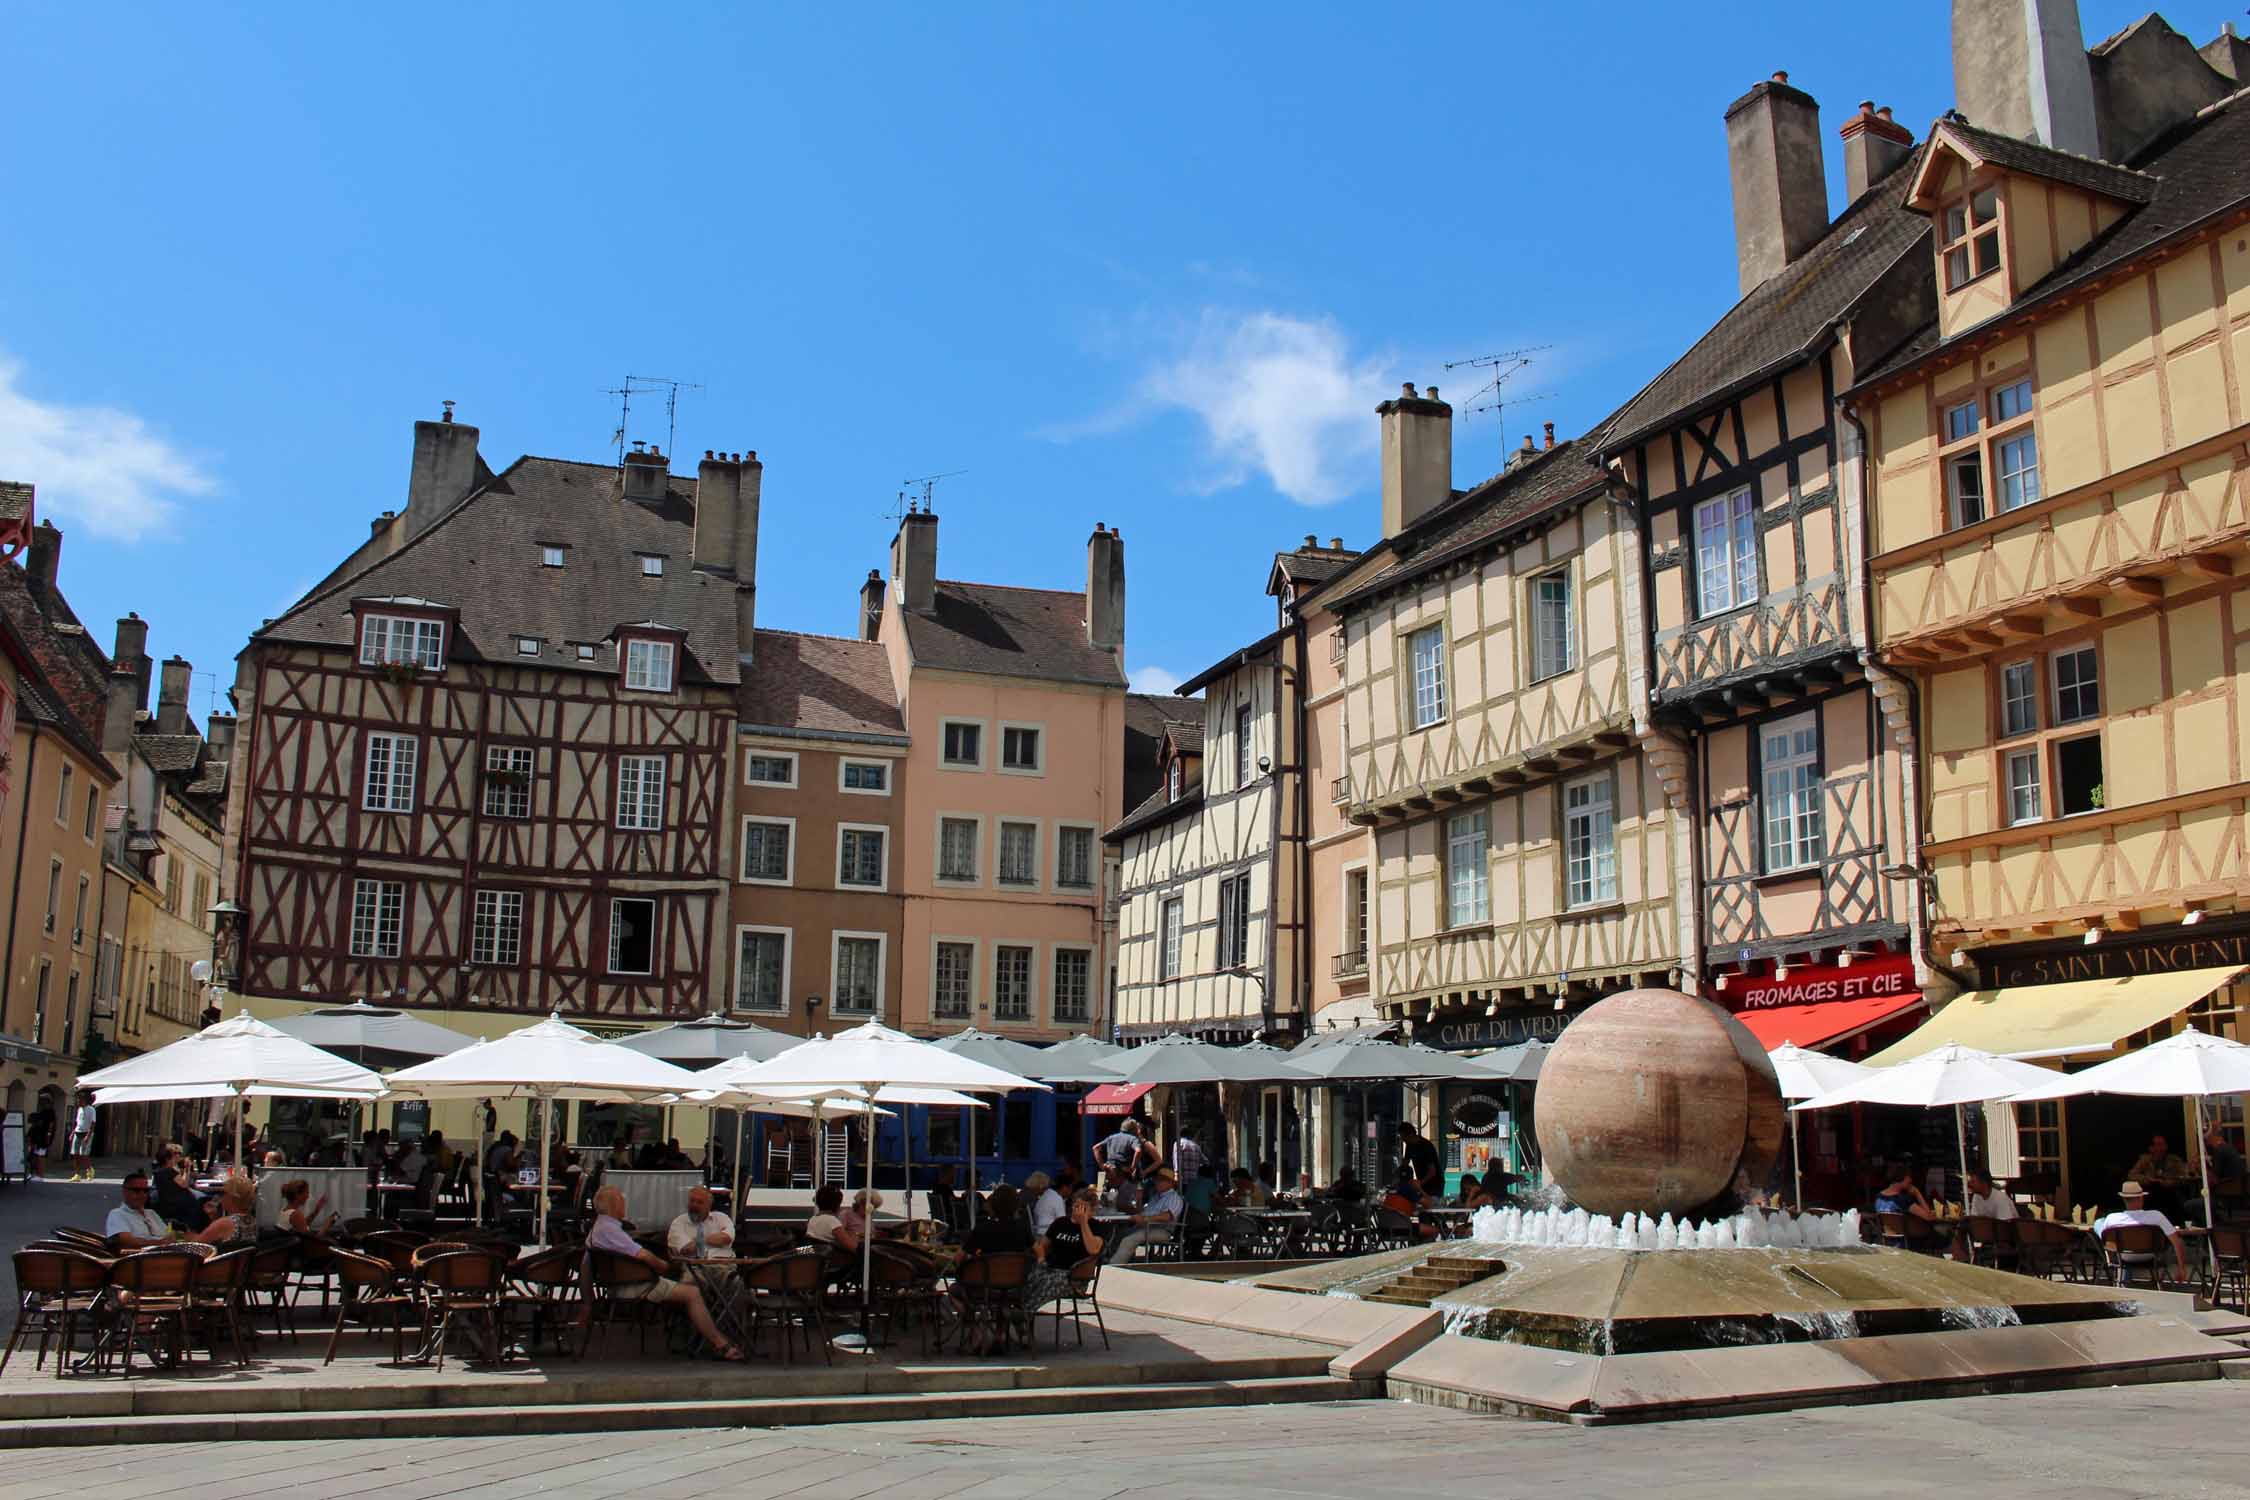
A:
(1228, 663)
(70, 692)
(482, 559)
(1010, 632)
(15, 500)
(2201, 170)
(1311, 564)
(1155, 809)
(1148, 717)
(1785, 317)
(170, 752)
(2010, 154)
(822, 683)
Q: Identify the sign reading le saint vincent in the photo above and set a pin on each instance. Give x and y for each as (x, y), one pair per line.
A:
(2118, 958)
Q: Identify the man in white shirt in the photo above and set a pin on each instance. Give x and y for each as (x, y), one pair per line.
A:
(1986, 1201)
(82, 1140)
(133, 1224)
(1153, 1224)
(1046, 1203)
(700, 1234)
(2136, 1211)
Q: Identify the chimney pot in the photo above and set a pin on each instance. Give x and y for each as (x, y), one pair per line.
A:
(1429, 393)
(1406, 389)
(1527, 444)
(1417, 457)
(751, 457)
(708, 454)
(1312, 539)
(1335, 544)
(1550, 434)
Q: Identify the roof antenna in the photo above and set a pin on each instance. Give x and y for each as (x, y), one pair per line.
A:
(639, 385)
(1493, 396)
(905, 504)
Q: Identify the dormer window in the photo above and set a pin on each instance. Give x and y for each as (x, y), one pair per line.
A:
(550, 557)
(652, 565)
(527, 645)
(1971, 246)
(1178, 779)
(648, 666)
(402, 640)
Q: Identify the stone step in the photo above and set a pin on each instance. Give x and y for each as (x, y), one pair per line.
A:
(493, 1421)
(1396, 1299)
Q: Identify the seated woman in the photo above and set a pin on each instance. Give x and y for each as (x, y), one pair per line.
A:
(1901, 1196)
(237, 1223)
(861, 1214)
(1405, 1199)
(1473, 1193)
(827, 1226)
(295, 1216)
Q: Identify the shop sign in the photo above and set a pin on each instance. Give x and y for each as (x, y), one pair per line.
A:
(1498, 1031)
(1819, 984)
(2118, 956)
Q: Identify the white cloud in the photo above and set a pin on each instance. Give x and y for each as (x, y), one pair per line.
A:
(95, 465)
(1152, 680)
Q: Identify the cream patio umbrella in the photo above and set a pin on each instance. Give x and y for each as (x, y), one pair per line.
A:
(1805, 1074)
(1949, 1075)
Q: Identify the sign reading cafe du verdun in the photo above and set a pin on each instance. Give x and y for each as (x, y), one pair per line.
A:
(2220, 943)
(1819, 984)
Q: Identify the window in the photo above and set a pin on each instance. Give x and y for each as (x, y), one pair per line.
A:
(70, 1014)
(652, 566)
(1336, 646)
(765, 850)
(1244, 767)
(2018, 468)
(54, 891)
(870, 776)
(585, 651)
(1175, 779)
(527, 645)
(1554, 647)
(1964, 470)
(1234, 922)
(390, 772)
(200, 913)
(2078, 688)
(1073, 973)
(172, 869)
(648, 666)
(1019, 853)
(62, 796)
(1971, 245)
(1074, 858)
(2024, 804)
(1468, 880)
(378, 911)
(93, 808)
(1425, 651)
(859, 857)
(640, 793)
(1019, 748)
(78, 915)
(1590, 841)
(1011, 982)
(1170, 924)
(761, 969)
(2019, 698)
(2078, 776)
(1726, 552)
(507, 781)
(400, 639)
(39, 1008)
(1355, 915)
(957, 849)
(964, 743)
(770, 770)
(550, 557)
(955, 976)
(859, 974)
(1990, 454)
(496, 934)
(1789, 758)
(632, 935)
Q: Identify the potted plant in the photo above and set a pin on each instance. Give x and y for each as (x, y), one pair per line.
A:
(507, 779)
(401, 672)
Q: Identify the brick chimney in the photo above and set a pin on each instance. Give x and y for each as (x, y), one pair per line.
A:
(120, 714)
(443, 472)
(718, 504)
(1780, 186)
(646, 472)
(1417, 456)
(2020, 68)
(1105, 589)
(218, 738)
(172, 696)
(44, 557)
(131, 651)
(871, 606)
(914, 560)
(1874, 144)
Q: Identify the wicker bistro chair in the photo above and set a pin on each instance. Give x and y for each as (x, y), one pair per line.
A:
(464, 1285)
(269, 1280)
(2136, 1254)
(215, 1296)
(152, 1291)
(1083, 1297)
(372, 1294)
(990, 1291)
(786, 1290)
(2044, 1248)
(84, 1239)
(906, 1282)
(541, 1288)
(1992, 1242)
(2230, 1266)
(1394, 1230)
(60, 1289)
(609, 1279)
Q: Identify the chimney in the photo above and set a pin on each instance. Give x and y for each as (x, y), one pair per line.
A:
(2020, 68)
(1417, 457)
(1550, 430)
(131, 658)
(45, 555)
(1874, 143)
(218, 738)
(444, 470)
(718, 505)
(172, 696)
(914, 560)
(746, 554)
(871, 606)
(121, 713)
(1523, 455)
(1105, 589)
(646, 472)
(1780, 186)
(2228, 55)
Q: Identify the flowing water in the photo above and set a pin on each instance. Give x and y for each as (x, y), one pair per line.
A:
(1752, 1229)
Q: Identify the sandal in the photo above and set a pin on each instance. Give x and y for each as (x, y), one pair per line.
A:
(731, 1354)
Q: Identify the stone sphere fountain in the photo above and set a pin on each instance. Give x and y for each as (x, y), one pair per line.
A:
(1655, 1102)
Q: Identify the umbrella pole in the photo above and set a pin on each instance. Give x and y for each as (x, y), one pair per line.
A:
(2203, 1159)
(969, 1139)
(238, 1166)
(906, 1144)
(1797, 1158)
(1961, 1136)
(734, 1200)
(867, 1227)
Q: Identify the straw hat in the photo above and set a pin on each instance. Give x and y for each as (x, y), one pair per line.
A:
(2130, 1190)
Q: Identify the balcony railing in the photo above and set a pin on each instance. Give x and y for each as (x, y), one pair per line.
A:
(1340, 790)
(1345, 965)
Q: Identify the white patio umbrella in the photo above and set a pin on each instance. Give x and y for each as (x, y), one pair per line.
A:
(1806, 1074)
(872, 1056)
(1950, 1075)
(238, 1058)
(2191, 1065)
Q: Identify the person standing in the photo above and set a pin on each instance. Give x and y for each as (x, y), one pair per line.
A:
(1419, 1158)
(82, 1140)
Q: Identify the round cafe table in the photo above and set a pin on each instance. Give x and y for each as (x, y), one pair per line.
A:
(715, 1276)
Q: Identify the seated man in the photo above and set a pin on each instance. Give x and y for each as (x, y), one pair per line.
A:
(609, 1234)
(1246, 1191)
(132, 1224)
(701, 1233)
(2226, 1162)
(1046, 1203)
(2137, 1211)
(1347, 1188)
(1152, 1224)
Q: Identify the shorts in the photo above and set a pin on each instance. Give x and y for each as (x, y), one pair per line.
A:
(81, 1143)
(660, 1289)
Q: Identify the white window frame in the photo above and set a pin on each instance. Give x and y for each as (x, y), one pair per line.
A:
(2027, 756)
(649, 665)
(2029, 699)
(788, 942)
(1001, 825)
(1175, 779)
(788, 826)
(1030, 952)
(552, 556)
(1038, 733)
(777, 786)
(585, 650)
(2055, 660)
(1236, 894)
(389, 798)
(380, 893)
(62, 795)
(610, 948)
(1093, 857)
(1737, 509)
(1792, 823)
(937, 851)
(844, 767)
(424, 644)
(516, 758)
(1552, 655)
(1055, 1016)
(967, 1013)
(1468, 853)
(1171, 937)
(492, 915)
(1358, 917)
(945, 726)
(652, 564)
(639, 821)
(836, 942)
(527, 645)
(881, 831)
(1245, 742)
(1601, 855)
(1425, 692)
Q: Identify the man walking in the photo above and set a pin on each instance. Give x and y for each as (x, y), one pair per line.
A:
(82, 1140)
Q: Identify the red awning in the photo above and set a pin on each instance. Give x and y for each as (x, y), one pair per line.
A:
(1828, 1021)
(1113, 1098)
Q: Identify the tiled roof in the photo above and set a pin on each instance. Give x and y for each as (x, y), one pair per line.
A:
(72, 690)
(1157, 807)
(2201, 170)
(15, 500)
(2010, 154)
(212, 784)
(1785, 317)
(1147, 716)
(1229, 662)
(169, 752)
(1187, 736)
(819, 682)
(1311, 564)
(1010, 632)
(482, 558)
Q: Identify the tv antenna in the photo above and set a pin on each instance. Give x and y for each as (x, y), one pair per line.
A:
(928, 483)
(1493, 395)
(636, 385)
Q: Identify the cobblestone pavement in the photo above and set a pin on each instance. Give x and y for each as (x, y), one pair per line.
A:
(2174, 1440)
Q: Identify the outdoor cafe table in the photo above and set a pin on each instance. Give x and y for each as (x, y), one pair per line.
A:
(717, 1276)
(1291, 1223)
(1451, 1222)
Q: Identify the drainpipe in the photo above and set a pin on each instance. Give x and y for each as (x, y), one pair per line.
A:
(23, 828)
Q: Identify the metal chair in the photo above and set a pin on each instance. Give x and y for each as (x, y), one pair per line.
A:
(541, 1286)
(269, 1278)
(372, 1292)
(786, 1290)
(59, 1287)
(215, 1295)
(2230, 1266)
(2135, 1251)
(1992, 1242)
(990, 1290)
(1084, 1296)
(905, 1282)
(613, 1281)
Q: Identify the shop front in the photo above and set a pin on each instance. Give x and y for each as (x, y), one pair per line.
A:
(1478, 1127)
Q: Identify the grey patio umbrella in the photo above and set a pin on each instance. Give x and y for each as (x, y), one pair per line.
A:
(373, 1036)
(1082, 1059)
(1517, 1064)
(699, 1043)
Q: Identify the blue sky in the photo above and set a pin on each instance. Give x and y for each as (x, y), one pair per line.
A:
(1151, 264)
